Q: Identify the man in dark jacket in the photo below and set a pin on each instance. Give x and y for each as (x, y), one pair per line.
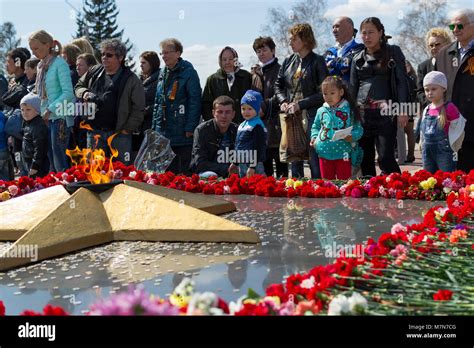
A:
(229, 80)
(456, 61)
(214, 139)
(120, 99)
(264, 75)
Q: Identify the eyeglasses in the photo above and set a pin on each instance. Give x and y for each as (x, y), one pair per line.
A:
(166, 52)
(454, 25)
(108, 55)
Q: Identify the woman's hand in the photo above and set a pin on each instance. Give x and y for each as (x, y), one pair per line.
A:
(293, 108)
(284, 107)
(312, 142)
(348, 138)
(46, 116)
(233, 169)
(402, 121)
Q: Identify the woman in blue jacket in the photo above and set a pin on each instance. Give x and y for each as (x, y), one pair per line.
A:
(54, 87)
(177, 107)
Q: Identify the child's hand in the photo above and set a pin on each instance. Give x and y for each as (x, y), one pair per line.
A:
(312, 142)
(250, 172)
(348, 138)
(32, 172)
(233, 169)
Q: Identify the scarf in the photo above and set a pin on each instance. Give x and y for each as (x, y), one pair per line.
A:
(40, 85)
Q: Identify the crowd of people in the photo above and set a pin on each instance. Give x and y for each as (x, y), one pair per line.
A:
(339, 111)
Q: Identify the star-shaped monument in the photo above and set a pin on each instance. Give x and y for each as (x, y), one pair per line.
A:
(56, 223)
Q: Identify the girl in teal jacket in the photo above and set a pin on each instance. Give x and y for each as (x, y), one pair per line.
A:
(337, 113)
(54, 87)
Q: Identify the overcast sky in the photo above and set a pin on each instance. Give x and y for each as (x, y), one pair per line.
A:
(204, 27)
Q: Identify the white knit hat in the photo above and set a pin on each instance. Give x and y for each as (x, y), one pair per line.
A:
(435, 78)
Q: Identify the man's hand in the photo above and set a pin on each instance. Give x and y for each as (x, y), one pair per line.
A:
(233, 169)
(188, 134)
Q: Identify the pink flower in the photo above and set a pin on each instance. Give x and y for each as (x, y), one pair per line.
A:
(13, 190)
(398, 227)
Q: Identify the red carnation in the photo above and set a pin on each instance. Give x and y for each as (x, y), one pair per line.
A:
(2, 309)
(55, 311)
(443, 295)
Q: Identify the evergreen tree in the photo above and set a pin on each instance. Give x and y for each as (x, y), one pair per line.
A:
(8, 41)
(98, 22)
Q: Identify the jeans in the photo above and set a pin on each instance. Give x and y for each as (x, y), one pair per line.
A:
(121, 142)
(244, 167)
(59, 135)
(438, 156)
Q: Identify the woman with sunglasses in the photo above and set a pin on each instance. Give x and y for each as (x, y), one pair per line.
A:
(456, 61)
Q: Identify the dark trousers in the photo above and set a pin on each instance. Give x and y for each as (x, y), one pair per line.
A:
(380, 133)
(466, 157)
(281, 168)
(181, 162)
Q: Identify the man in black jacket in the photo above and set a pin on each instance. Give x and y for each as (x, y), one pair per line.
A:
(264, 75)
(214, 140)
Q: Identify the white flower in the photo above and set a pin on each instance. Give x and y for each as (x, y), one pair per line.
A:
(132, 174)
(185, 288)
(308, 283)
(226, 189)
(357, 303)
(339, 305)
(234, 307)
(202, 303)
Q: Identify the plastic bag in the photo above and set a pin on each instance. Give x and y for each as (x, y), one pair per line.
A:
(294, 144)
(155, 153)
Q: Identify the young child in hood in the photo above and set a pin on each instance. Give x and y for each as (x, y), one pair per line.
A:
(35, 137)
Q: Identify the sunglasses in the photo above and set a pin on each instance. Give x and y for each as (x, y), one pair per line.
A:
(458, 25)
(108, 55)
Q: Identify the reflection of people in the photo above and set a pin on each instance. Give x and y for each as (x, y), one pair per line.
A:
(215, 137)
(237, 273)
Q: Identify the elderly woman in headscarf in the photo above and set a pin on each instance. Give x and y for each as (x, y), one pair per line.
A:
(229, 80)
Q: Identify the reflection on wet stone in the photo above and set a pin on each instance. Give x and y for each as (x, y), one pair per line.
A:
(294, 239)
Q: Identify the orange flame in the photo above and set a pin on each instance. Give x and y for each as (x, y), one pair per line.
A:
(91, 161)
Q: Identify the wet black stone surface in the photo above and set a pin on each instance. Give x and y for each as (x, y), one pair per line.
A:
(296, 235)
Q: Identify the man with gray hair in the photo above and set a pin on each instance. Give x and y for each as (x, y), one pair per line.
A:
(339, 58)
(456, 61)
(119, 98)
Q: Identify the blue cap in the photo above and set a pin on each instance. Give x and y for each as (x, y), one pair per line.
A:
(252, 98)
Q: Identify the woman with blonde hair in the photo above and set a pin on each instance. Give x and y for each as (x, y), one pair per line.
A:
(70, 52)
(84, 45)
(54, 87)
